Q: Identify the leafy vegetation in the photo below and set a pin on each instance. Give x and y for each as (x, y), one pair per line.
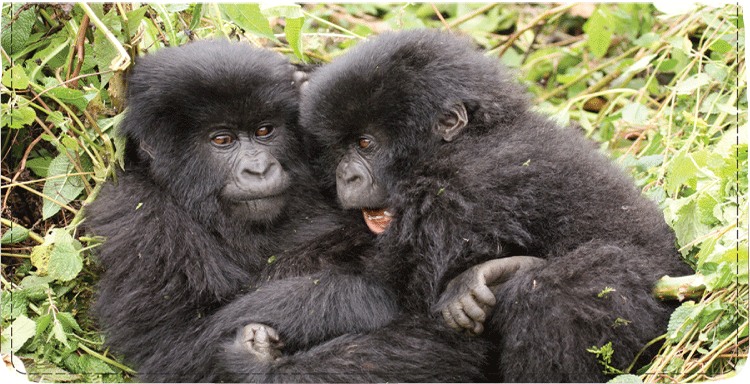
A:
(665, 95)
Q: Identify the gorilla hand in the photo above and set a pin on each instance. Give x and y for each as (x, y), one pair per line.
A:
(468, 299)
(261, 341)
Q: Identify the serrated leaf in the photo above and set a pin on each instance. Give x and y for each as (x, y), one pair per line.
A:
(40, 257)
(18, 116)
(61, 189)
(293, 32)
(14, 304)
(40, 369)
(248, 17)
(68, 321)
(14, 35)
(59, 333)
(15, 78)
(15, 234)
(680, 320)
(680, 170)
(70, 96)
(689, 223)
(718, 72)
(134, 18)
(64, 259)
(42, 322)
(15, 336)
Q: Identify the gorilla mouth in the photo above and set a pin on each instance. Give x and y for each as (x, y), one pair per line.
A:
(260, 209)
(377, 219)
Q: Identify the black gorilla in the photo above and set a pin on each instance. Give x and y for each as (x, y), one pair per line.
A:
(216, 185)
(437, 146)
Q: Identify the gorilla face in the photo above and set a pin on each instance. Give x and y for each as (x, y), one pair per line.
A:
(256, 181)
(218, 130)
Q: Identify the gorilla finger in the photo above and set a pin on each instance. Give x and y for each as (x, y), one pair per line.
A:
(272, 334)
(478, 329)
(449, 318)
(460, 317)
(484, 295)
(472, 309)
(261, 339)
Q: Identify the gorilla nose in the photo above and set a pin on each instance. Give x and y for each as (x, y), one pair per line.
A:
(259, 168)
(347, 175)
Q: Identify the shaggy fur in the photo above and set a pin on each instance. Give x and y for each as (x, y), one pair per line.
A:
(512, 183)
(173, 253)
(182, 273)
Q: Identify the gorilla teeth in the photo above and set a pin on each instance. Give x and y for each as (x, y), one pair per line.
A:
(377, 219)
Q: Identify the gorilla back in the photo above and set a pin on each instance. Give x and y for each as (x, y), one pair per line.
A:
(425, 128)
(215, 170)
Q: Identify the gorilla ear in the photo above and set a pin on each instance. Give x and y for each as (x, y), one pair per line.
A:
(452, 122)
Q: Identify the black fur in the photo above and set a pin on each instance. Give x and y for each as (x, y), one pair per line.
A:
(184, 274)
(512, 183)
(174, 252)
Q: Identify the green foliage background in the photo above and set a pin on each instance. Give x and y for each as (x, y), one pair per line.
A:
(665, 95)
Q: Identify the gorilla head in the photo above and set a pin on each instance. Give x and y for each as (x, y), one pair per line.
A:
(408, 100)
(211, 123)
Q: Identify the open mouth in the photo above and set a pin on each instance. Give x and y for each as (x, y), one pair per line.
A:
(377, 219)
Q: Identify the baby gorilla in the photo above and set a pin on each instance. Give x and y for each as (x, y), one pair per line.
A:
(216, 184)
(437, 146)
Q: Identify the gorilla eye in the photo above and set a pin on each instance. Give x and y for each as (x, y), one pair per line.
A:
(264, 130)
(364, 142)
(222, 139)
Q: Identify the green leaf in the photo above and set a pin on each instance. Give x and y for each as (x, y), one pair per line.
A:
(599, 28)
(64, 259)
(680, 321)
(721, 46)
(39, 165)
(248, 17)
(59, 256)
(134, 18)
(688, 223)
(15, 234)
(15, 336)
(42, 322)
(70, 96)
(293, 32)
(626, 378)
(635, 113)
(197, 15)
(292, 13)
(692, 83)
(14, 304)
(68, 321)
(640, 64)
(18, 117)
(14, 35)
(59, 333)
(36, 287)
(680, 170)
(62, 189)
(15, 78)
